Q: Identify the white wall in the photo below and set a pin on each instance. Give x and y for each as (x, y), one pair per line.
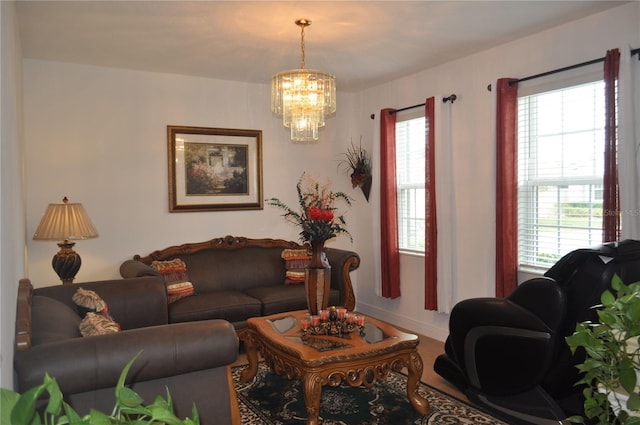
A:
(12, 252)
(472, 243)
(98, 136)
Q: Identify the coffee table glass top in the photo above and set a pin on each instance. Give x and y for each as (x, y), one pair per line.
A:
(290, 326)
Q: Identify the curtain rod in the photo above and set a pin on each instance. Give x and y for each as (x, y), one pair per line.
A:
(451, 98)
(566, 68)
(406, 108)
(555, 71)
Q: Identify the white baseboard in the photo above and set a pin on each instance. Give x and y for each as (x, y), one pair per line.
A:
(405, 322)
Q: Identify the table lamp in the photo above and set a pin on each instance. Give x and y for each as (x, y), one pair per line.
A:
(65, 222)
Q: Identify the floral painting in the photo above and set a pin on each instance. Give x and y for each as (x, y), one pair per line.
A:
(215, 169)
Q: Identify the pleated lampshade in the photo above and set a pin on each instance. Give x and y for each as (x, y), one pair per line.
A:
(66, 221)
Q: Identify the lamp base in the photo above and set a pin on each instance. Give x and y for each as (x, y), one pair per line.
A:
(66, 262)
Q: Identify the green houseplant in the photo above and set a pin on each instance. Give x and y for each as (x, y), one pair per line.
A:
(20, 409)
(612, 358)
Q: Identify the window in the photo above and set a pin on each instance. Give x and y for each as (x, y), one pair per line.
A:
(410, 179)
(560, 172)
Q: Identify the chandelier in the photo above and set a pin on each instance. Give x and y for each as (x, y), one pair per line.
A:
(303, 97)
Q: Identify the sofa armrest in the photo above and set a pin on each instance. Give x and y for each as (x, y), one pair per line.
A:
(342, 263)
(133, 303)
(135, 268)
(96, 362)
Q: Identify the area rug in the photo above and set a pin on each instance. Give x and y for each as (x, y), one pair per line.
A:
(274, 400)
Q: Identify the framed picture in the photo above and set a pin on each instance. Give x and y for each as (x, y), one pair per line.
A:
(214, 169)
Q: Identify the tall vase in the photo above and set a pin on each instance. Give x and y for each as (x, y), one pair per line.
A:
(317, 279)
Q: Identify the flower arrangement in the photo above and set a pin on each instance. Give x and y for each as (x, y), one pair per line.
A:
(317, 216)
(359, 164)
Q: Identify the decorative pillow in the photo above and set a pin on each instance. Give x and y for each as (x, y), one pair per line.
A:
(88, 301)
(97, 324)
(174, 273)
(295, 261)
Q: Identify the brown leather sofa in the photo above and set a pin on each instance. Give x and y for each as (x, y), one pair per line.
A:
(236, 278)
(191, 360)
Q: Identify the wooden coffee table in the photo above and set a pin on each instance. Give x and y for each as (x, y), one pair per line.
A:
(319, 360)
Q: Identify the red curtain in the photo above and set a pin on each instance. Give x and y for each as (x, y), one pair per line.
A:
(431, 228)
(611, 199)
(389, 250)
(506, 187)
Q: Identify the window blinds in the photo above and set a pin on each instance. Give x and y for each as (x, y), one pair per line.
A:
(410, 170)
(560, 172)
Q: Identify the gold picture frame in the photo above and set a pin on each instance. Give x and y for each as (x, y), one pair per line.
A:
(214, 169)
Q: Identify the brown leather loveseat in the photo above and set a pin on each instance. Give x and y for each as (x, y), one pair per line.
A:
(191, 360)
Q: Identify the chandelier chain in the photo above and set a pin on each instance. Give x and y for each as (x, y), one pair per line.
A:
(302, 46)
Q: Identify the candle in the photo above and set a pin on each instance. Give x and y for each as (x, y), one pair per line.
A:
(305, 323)
(351, 318)
(342, 312)
(315, 320)
(324, 315)
(360, 320)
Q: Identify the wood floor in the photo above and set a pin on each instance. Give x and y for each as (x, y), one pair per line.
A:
(428, 349)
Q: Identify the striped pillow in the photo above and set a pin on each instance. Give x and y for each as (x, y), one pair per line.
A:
(295, 261)
(174, 273)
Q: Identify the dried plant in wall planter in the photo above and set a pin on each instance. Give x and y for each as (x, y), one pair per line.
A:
(358, 164)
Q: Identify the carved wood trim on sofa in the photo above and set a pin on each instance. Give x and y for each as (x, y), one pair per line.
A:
(228, 243)
(23, 315)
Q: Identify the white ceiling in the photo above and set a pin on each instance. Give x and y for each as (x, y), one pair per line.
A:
(363, 43)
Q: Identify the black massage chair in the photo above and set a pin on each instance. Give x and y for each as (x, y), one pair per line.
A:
(510, 355)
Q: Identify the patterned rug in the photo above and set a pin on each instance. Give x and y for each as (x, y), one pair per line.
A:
(273, 400)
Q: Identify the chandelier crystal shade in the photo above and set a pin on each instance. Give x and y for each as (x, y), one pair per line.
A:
(303, 97)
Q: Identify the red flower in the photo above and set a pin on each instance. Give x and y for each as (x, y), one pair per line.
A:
(315, 213)
(317, 216)
(327, 215)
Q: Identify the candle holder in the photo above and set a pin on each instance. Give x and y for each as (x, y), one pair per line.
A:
(334, 321)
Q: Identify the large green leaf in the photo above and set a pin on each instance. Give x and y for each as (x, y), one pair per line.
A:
(616, 282)
(633, 311)
(24, 410)
(96, 417)
(607, 318)
(125, 371)
(161, 414)
(54, 405)
(129, 398)
(607, 298)
(634, 402)
(578, 339)
(8, 399)
(194, 414)
(633, 421)
(627, 378)
(72, 415)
